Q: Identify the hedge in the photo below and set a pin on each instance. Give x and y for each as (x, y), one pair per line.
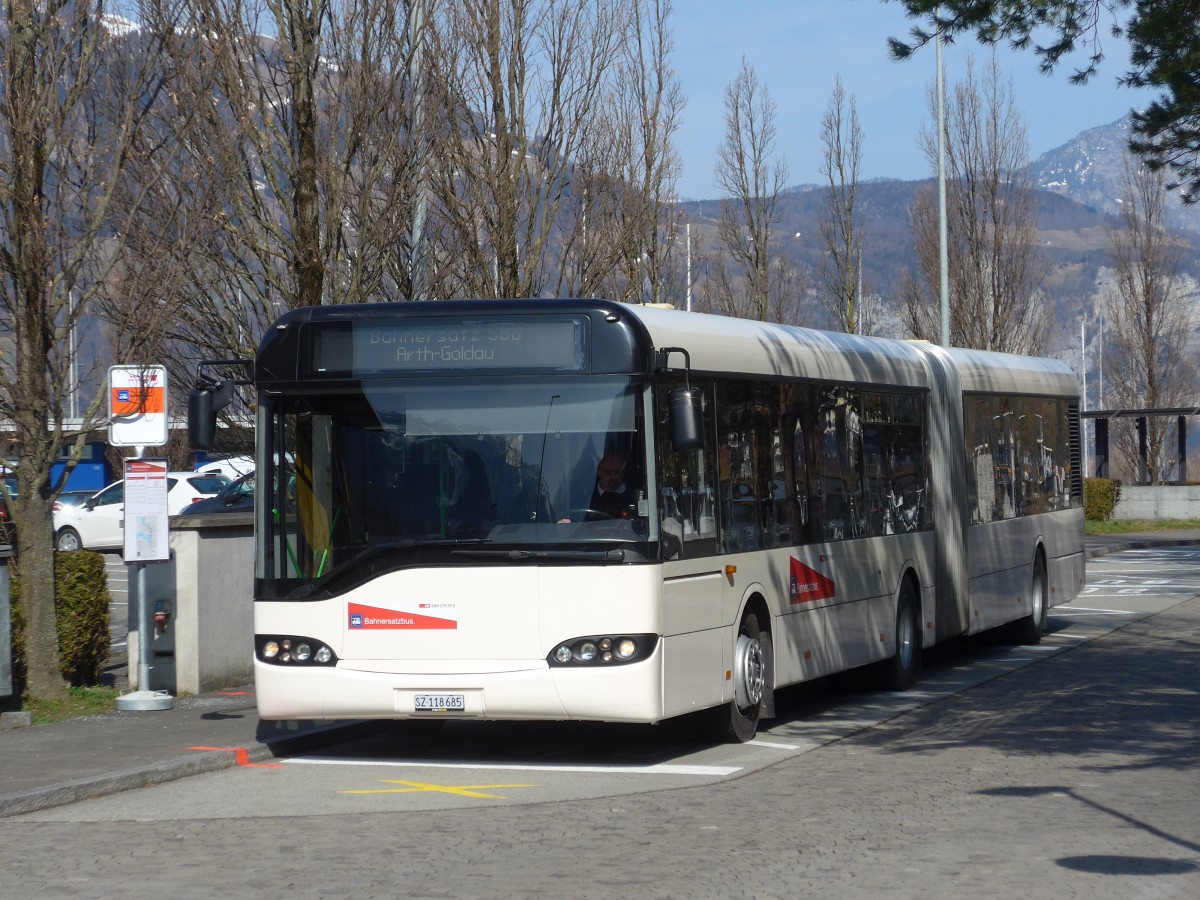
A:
(1100, 496)
(82, 600)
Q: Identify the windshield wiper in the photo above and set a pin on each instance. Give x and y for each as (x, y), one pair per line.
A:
(583, 555)
(349, 568)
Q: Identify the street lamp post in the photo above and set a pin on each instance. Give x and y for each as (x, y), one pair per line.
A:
(943, 251)
(1083, 388)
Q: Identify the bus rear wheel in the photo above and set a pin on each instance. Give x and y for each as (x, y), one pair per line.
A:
(737, 721)
(900, 671)
(1030, 629)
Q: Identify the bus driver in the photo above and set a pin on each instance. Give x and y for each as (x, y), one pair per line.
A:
(611, 499)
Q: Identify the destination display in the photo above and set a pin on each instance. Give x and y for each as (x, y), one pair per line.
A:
(397, 345)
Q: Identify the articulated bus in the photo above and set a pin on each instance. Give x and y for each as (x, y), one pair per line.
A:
(793, 503)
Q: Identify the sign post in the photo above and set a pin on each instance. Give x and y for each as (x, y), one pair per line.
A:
(137, 411)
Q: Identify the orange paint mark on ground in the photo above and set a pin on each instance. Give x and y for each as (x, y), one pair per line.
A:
(242, 756)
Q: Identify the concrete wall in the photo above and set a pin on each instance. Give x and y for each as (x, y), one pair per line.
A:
(207, 590)
(1158, 502)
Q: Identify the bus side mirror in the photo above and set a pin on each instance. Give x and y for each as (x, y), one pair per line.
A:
(685, 415)
(204, 402)
(202, 419)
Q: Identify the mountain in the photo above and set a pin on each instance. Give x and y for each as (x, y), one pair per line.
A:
(1090, 169)
(1079, 186)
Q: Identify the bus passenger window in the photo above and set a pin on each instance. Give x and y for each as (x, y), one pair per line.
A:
(746, 466)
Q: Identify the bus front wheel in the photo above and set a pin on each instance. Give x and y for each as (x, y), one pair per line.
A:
(737, 721)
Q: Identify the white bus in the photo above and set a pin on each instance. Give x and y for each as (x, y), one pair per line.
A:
(792, 503)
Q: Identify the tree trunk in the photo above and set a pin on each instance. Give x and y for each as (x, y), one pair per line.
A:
(36, 565)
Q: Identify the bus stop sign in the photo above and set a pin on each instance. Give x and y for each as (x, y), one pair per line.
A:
(137, 406)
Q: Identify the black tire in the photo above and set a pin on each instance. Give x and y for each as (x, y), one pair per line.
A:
(68, 540)
(736, 722)
(1030, 629)
(900, 671)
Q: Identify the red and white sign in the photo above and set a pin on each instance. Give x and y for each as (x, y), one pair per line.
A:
(368, 618)
(806, 585)
(146, 520)
(137, 406)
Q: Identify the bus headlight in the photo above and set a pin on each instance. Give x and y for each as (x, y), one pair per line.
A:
(603, 650)
(292, 650)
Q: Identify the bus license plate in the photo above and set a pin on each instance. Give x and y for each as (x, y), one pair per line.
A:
(439, 702)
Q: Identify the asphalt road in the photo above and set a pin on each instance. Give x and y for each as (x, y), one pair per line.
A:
(1066, 770)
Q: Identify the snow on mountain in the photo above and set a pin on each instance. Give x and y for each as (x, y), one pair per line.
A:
(1089, 169)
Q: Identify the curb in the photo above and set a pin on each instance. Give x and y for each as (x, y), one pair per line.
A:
(198, 763)
(1145, 544)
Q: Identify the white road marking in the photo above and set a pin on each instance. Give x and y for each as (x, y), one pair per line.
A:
(666, 769)
(1071, 610)
(772, 745)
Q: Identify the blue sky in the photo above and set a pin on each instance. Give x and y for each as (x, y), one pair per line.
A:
(797, 47)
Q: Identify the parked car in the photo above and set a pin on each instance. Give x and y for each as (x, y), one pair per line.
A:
(237, 496)
(99, 524)
(72, 498)
(233, 466)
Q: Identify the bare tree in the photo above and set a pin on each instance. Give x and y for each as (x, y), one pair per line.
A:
(308, 137)
(751, 181)
(842, 228)
(789, 300)
(522, 85)
(649, 105)
(1148, 350)
(82, 90)
(995, 265)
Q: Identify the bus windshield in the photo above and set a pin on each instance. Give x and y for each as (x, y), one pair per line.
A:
(395, 472)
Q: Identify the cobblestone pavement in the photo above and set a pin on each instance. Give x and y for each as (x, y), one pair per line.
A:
(1075, 777)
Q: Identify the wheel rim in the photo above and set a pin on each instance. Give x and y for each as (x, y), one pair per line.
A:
(905, 636)
(68, 542)
(749, 672)
(1038, 600)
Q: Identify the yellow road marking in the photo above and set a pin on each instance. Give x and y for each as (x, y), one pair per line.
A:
(462, 790)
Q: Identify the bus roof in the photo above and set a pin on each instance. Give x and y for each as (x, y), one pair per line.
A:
(725, 344)
(995, 373)
(722, 343)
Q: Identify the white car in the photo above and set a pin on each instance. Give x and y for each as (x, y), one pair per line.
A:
(99, 524)
(233, 466)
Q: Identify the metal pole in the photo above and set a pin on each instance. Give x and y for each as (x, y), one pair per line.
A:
(1181, 447)
(73, 372)
(1083, 388)
(943, 252)
(143, 615)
